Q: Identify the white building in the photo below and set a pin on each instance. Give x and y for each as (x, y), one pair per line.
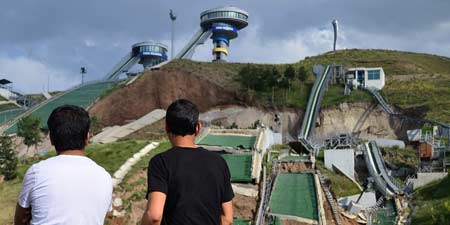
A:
(367, 77)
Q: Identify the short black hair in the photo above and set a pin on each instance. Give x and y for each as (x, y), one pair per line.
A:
(182, 117)
(68, 126)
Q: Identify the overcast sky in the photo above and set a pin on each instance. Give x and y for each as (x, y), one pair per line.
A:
(54, 38)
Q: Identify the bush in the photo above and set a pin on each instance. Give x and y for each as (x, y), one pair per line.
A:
(29, 129)
(8, 158)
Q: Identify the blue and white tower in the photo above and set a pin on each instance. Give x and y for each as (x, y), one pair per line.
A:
(224, 24)
(150, 53)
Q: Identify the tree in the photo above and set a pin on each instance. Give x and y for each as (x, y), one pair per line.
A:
(284, 84)
(29, 129)
(243, 77)
(272, 80)
(289, 73)
(302, 74)
(8, 158)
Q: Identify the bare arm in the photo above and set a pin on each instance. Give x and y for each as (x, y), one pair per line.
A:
(155, 207)
(227, 213)
(22, 216)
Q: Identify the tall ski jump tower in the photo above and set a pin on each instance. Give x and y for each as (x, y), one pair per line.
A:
(224, 23)
(221, 25)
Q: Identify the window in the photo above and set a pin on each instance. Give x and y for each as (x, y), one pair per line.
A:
(373, 74)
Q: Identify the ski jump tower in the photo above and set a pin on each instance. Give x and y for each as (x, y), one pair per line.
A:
(221, 25)
(147, 53)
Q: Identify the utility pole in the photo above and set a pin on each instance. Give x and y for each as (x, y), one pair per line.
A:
(83, 71)
(173, 17)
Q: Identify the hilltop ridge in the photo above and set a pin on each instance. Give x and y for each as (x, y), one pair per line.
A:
(418, 84)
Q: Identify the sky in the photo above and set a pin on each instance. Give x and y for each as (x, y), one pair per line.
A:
(47, 41)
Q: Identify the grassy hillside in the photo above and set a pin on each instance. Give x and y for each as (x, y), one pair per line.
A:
(393, 62)
(415, 81)
(432, 204)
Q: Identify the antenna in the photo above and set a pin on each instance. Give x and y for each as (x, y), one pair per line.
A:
(173, 17)
(335, 28)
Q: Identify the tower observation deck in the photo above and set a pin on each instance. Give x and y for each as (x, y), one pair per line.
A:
(221, 25)
(150, 53)
(147, 53)
(224, 23)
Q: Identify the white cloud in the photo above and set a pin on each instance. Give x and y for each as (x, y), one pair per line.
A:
(90, 43)
(30, 76)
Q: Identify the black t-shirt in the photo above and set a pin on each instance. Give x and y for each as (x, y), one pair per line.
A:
(196, 183)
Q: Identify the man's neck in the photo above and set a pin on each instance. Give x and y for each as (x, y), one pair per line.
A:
(72, 152)
(184, 142)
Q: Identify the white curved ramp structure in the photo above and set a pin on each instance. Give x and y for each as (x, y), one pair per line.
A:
(377, 169)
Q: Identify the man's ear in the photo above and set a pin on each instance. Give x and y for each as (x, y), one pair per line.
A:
(198, 128)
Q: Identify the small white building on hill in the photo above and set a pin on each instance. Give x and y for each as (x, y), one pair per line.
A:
(367, 77)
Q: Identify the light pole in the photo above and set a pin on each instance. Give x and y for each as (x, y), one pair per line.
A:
(83, 71)
(173, 17)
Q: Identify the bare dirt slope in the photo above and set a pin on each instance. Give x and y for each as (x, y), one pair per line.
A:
(157, 89)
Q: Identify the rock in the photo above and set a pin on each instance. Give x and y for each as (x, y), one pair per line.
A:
(118, 213)
(117, 202)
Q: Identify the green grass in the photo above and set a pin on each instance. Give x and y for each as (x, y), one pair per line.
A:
(432, 203)
(9, 192)
(8, 106)
(407, 157)
(143, 163)
(133, 187)
(335, 96)
(110, 156)
(430, 92)
(341, 186)
(393, 62)
(430, 95)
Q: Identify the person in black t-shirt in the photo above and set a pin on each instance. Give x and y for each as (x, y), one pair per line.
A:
(187, 184)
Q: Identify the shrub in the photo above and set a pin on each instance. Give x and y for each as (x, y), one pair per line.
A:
(8, 158)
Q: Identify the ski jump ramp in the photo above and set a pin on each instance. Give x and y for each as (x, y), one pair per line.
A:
(313, 108)
(377, 169)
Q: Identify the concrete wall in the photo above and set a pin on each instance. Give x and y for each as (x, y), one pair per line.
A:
(265, 139)
(389, 143)
(426, 178)
(344, 159)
